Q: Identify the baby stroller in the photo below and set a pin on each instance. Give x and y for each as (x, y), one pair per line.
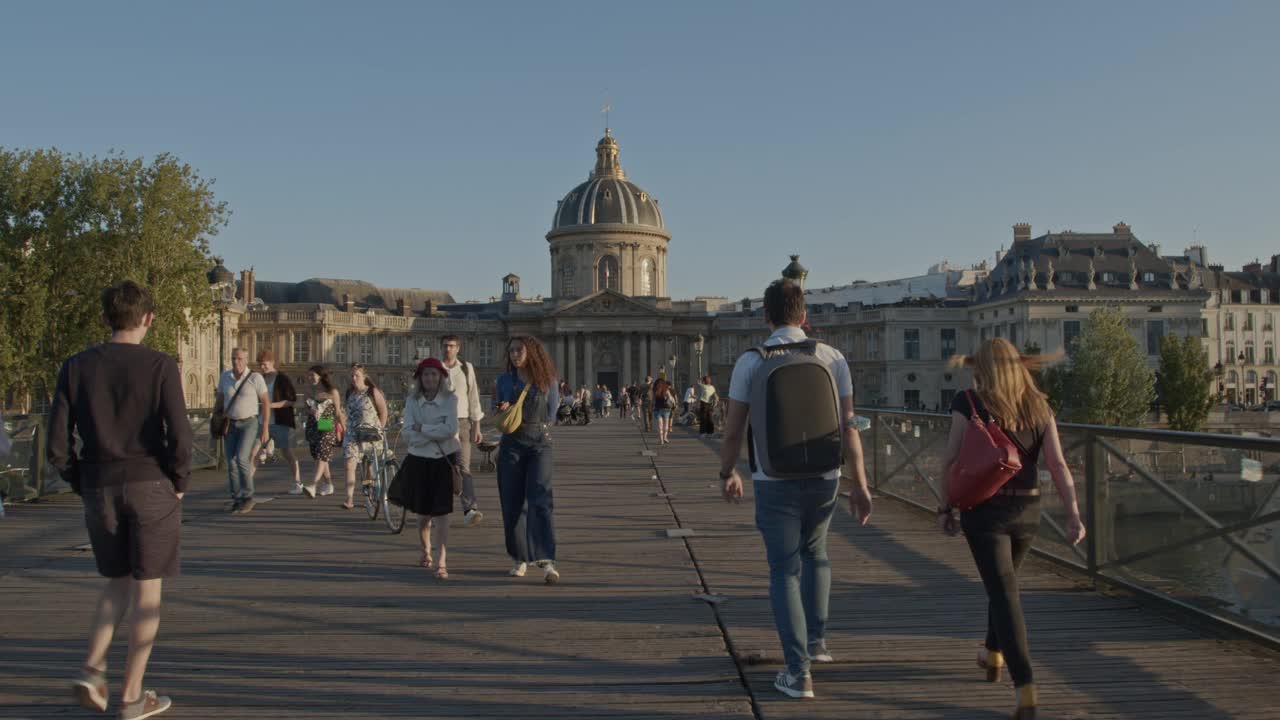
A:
(564, 413)
(580, 415)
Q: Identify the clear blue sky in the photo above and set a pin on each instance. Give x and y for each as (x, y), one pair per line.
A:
(426, 145)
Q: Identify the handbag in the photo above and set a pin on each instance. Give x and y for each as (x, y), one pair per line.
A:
(509, 420)
(455, 469)
(219, 423)
(986, 461)
(325, 425)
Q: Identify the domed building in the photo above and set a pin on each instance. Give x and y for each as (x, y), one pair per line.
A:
(608, 234)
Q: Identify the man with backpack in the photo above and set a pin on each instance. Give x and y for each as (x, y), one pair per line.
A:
(462, 375)
(798, 396)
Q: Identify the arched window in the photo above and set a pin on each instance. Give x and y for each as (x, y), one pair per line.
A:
(566, 280)
(1251, 378)
(607, 273)
(647, 278)
(193, 390)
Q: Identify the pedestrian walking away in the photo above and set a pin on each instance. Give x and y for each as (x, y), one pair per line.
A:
(281, 429)
(798, 441)
(431, 432)
(525, 458)
(325, 419)
(242, 395)
(664, 400)
(366, 412)
(1001, 529)
(707, 400)
(124, 402)
(646, 402)
(462, 378)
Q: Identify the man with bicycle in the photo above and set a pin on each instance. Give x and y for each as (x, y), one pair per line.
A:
(462, 376)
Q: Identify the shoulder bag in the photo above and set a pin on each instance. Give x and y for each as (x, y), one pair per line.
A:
(987, 460)
(219, 423)
(509, 420)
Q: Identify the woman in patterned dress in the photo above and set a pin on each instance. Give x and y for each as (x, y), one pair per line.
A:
(323, 403)
(366, 407)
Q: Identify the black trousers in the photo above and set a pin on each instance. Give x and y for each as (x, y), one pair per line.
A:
(705, 424)
(1000, 532)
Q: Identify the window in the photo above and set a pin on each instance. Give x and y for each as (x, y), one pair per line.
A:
(364, 346)
(566, 281)
(998, 330)
(1248, 321)
(911, 345)
(1148, 277)
(1070, 331)
(1204, 327)
(1155, 333)
(193, 348)
(911, 398)
(301, 347)
(945, 400)
(261, 341)
(1073, 308)
(646, 277)
(873, 346)
(607, 273)
(486, 352)
(1248, 353)
(1266, 322)
(341, 345)
(1108, 277)
(1013, 334)
(1231, 353)
(421, 349)
(948, 344)
(1155, 308)
(395, 349)
(1269, 354)
(982, 334)
(1230, 323)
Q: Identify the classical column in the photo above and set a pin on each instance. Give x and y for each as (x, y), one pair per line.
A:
(626, 359)
(657, 356)
(559, 354)
(588, 365)
(571, 374)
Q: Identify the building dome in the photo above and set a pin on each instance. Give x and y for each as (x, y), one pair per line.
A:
(607, 197)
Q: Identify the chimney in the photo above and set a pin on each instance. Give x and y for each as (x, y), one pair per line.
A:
(253, 287)
(403, 308)
(245, 297)
(430, 308)
(1198, 255)
(1021, 232)
(347, 303)
(1121, 228)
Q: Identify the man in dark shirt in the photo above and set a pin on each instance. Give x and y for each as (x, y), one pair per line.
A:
(125, 402)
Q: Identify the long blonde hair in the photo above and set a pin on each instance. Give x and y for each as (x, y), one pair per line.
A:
(1002, 377)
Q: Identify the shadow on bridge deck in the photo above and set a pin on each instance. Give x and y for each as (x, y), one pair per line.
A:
(301, 609)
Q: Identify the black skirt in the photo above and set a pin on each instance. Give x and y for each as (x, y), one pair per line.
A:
(426, 485)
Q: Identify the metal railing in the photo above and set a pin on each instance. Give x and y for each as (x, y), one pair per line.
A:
(1191, 520)
(25, 474)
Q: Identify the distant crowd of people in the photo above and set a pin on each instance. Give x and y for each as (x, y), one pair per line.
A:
(791, 398)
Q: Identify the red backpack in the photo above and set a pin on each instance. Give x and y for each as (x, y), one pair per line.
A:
(987, 460)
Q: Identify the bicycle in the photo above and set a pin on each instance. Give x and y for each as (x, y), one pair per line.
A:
(377, 468)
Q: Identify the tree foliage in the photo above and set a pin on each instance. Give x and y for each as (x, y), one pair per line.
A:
(1107, 381)
(71, 226)
(1185, 382)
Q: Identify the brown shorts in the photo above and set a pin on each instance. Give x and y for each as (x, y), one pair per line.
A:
(135, 528)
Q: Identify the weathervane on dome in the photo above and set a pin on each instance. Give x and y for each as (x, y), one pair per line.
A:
(605, 109)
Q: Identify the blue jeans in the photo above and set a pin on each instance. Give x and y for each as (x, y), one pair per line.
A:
(793, 517)
(524, 489)
(239, 446)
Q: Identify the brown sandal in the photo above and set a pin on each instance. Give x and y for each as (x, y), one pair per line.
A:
(442, 573)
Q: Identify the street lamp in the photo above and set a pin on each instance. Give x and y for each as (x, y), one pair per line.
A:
(698, 344)
(224, 293)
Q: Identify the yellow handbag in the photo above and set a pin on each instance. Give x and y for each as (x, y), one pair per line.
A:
(509, 420)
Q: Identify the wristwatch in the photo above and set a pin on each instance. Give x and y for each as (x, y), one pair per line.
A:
(726, 475)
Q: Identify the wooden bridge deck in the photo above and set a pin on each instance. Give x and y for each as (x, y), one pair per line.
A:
(301, 609)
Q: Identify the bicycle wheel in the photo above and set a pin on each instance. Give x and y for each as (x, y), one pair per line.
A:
(371, 491)
(393, 515)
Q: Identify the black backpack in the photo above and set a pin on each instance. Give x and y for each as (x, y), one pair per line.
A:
(795, 424)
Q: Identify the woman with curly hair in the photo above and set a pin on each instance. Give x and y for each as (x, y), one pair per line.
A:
(524, 457)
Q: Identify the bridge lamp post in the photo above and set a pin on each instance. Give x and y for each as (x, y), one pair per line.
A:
(699, 343)
(224, 293)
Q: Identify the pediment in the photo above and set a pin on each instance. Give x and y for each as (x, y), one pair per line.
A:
(606, 302)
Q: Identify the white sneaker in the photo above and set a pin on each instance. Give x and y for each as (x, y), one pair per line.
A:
(818, 652)
(519, 570)
(326, 488)
(550, 575)
(472, 518)
(297, 489)
(796, 686)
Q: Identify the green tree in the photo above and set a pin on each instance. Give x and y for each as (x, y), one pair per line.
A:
(70, 226)
(1186, 382)
(1107, 381)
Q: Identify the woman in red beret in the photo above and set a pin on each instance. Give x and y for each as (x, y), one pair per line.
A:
(431, 432)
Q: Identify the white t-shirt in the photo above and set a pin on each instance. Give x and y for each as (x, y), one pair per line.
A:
(740, 381)
(246, 404)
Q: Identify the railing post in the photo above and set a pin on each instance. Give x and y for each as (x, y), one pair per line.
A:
(875, 450)
(37, 458)
(1097, 527)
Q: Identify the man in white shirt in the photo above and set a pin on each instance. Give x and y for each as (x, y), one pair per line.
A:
(463, 377)
(793, 515)
(243, 397)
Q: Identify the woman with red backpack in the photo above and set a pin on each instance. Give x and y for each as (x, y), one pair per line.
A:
(998, 432)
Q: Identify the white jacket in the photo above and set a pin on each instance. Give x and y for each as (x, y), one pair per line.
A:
(438, 418)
